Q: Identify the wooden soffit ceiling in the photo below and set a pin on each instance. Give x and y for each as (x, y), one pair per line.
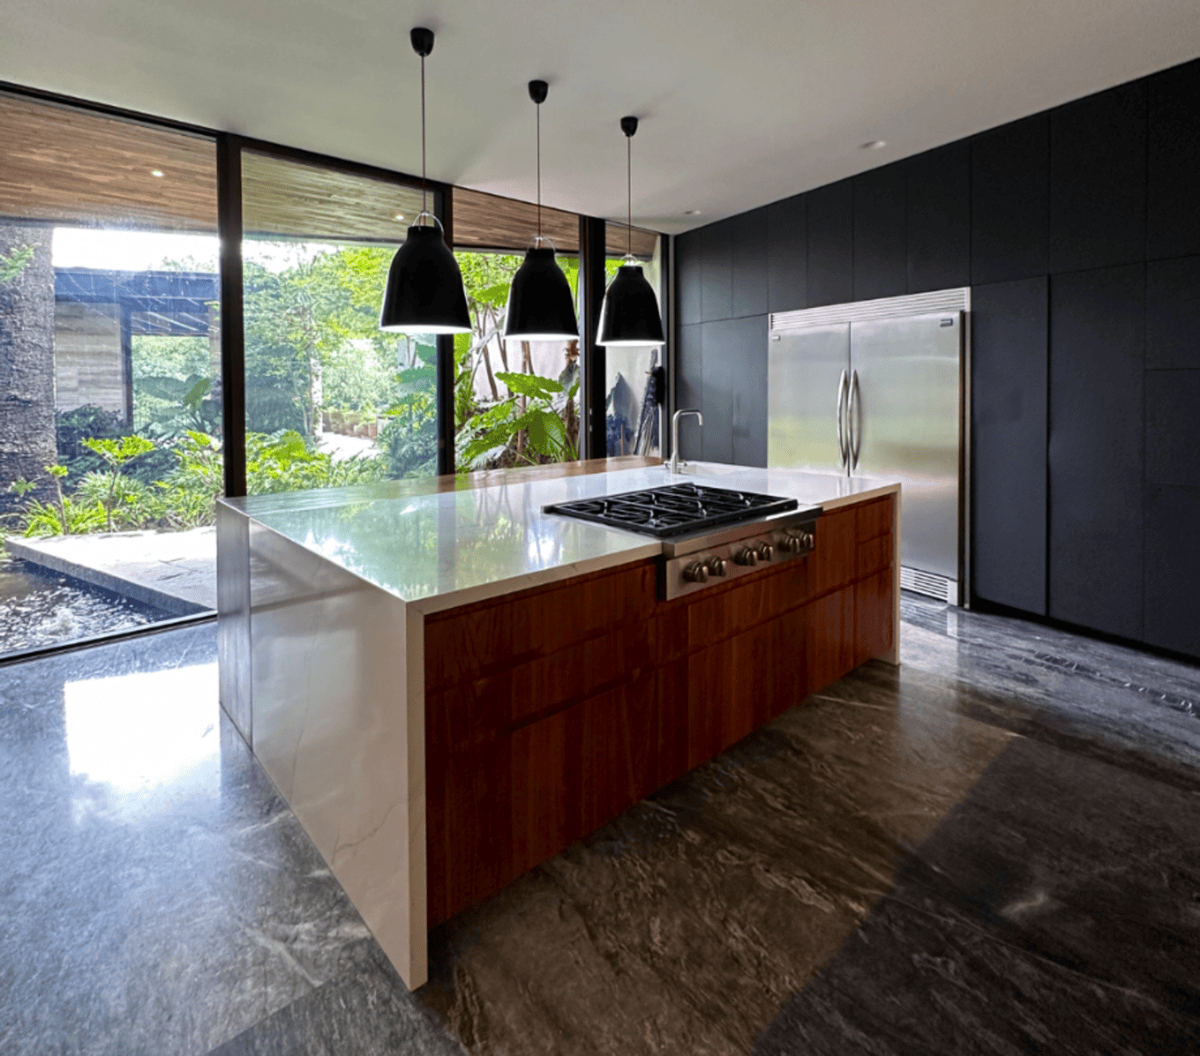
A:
(488, 221)
(63, 165)
(76, 167)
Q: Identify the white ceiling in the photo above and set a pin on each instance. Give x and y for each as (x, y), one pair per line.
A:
(740, 104)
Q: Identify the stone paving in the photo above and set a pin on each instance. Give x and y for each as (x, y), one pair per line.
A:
(174, 571)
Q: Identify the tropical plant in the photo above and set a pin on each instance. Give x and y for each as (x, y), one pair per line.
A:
(533, 413)
(283, 462)
(513, 427)
(111, 487)
(173, 406)
(64, 517)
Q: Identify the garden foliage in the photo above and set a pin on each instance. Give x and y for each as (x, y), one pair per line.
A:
(315, 358)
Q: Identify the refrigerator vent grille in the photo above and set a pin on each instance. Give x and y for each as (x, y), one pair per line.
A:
(884, 308)
(929, 583)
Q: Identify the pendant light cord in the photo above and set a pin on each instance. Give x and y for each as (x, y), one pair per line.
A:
(539, 169)
(629, 191)
(424, 185)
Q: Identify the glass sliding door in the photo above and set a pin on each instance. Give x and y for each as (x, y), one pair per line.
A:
(517, 403)
(110, 408)
(634, 376)
(331, 400)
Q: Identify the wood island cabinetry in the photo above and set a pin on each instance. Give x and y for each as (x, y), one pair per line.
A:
(550, 711)
(448, 685)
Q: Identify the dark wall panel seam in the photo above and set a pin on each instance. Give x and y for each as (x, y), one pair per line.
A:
(1048, 541)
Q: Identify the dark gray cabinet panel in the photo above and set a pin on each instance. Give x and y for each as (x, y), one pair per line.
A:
(880, 256)
(1008, 433)
(750, 391)
(831, 244)
(722, 365)
(1010, 210)
(1097, 328)
(716, 279)
(689, 386)
(1173, 312)
(1098, 180)
(1173, 179)
(787, 261)
(1172, 568)
(939, 219)
(688, 269)
(1173, 429)
(750, 263)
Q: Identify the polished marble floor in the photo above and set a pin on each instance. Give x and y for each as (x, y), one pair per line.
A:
(995, 849)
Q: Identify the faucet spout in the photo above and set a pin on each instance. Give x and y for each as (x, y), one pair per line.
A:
(676, 463)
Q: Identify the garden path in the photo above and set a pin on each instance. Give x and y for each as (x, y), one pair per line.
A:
(174, 571)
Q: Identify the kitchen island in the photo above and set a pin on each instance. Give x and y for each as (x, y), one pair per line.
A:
(448, 685)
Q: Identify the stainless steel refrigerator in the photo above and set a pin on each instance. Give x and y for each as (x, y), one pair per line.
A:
(880, 393)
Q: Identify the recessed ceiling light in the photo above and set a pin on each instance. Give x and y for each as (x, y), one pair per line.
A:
(156, 172)
(873, 144)
(691, 212)
(399, 216)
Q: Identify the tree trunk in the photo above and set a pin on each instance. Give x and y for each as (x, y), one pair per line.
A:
(27, 439)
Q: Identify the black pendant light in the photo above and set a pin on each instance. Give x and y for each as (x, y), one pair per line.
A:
(424, 293)
(540, 306)
(629, 315)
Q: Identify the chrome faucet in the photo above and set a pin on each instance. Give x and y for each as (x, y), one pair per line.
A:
(675, 464)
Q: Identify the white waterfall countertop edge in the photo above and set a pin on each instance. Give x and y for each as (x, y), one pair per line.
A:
(452, 548)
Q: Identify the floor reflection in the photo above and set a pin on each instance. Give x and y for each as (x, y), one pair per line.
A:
(979, 852)
(142, 733)
(156, 895)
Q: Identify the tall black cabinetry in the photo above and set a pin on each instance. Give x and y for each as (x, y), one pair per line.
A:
(1078, 230)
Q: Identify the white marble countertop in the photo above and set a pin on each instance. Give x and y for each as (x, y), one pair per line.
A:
(440, 550)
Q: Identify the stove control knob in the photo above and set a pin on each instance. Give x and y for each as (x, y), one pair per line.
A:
(696, 572)
(765, 551)
(791, 544)
(746, 556)
(716, 566)
(806, 538)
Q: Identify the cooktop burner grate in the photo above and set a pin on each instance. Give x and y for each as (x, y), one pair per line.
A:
(675, 509)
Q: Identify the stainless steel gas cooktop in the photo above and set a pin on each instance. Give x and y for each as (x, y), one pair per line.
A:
(710, 535)
(676, 509)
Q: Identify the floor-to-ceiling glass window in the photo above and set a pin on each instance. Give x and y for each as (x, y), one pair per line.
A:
(634, 388)
(110, 404)
(516, 402)
(331, 399)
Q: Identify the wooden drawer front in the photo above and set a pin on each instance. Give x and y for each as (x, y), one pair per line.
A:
(829, 629)
(476, 640)
(463, 645)
(499, 807)
(831, 564)
(743, 604)
(466, 712)
(576, 770)
(875, 518)
(873, 626)
(739, 684)
(874, 555)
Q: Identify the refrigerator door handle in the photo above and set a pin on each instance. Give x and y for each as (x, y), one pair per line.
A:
(841, 418)
(854, 415)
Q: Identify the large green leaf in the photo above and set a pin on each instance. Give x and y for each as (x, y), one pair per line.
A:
(163, 387)
(417, 379)
(197, 392)
(494, 438)
(462, 348)
(547, 434)
(530, 385)
(496, 296)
